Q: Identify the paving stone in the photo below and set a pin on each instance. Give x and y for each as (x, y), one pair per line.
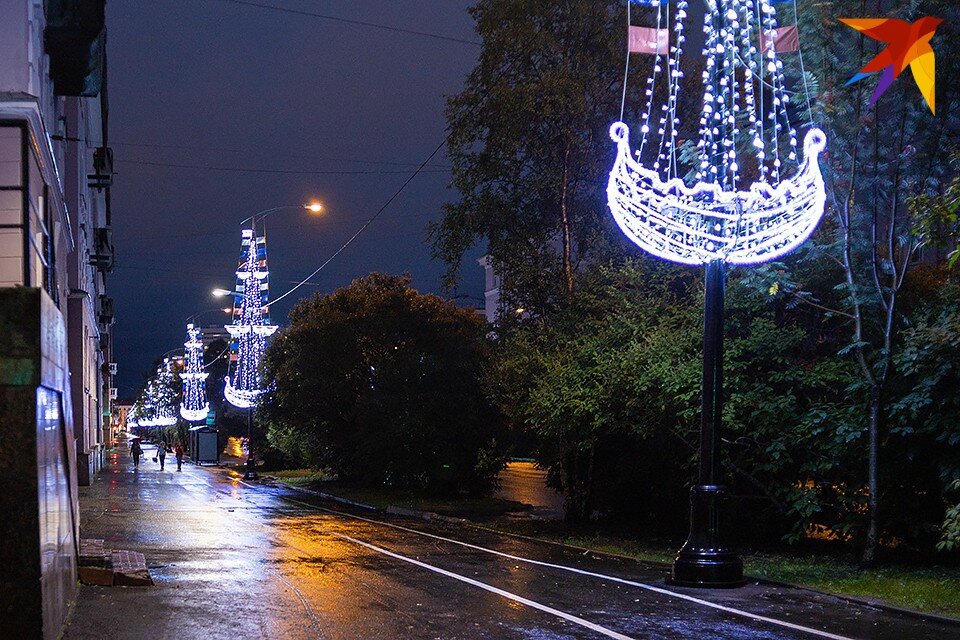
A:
(130, 569)
(92, 554)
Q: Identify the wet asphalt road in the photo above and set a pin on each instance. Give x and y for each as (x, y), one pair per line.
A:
(234, 560)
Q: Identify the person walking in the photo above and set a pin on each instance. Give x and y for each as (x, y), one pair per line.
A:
(178, 451)
(136, 451)
(161, 453)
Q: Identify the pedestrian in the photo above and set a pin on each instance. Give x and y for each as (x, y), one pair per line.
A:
(136, 451)
(161, 453)
(178, 451)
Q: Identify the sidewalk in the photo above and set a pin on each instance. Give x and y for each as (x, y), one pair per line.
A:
(210, 561)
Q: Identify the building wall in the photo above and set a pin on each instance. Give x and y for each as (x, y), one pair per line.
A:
(90, 381)
(47, 213)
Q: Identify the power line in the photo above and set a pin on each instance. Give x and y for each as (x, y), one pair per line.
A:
(368, 222)
(360, 23)
(174, 165)
(191, 147)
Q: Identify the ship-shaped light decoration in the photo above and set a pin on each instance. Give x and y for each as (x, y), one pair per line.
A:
(745, 129)
(193, 405)
(251, 325)
(160, 394)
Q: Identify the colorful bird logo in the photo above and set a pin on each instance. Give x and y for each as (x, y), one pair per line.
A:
(909, 44)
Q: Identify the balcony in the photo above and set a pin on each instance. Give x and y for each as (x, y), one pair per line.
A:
(74, 38)
(102, 177)
(101, 256)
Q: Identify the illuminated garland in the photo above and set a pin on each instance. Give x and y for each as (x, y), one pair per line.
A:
(250, 328)
(744, 97)
(193, 405)
(156, 404)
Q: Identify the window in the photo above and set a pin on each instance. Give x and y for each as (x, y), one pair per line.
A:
(27, 239)
(11, 205)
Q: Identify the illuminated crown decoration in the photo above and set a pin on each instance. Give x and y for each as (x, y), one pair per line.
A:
(744, 127)
(194, 406)
(251, 325)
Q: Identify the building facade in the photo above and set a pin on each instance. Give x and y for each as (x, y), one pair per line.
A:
(491, 289)
(54, 313)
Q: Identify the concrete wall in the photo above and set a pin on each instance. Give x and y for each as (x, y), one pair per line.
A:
(39, 529)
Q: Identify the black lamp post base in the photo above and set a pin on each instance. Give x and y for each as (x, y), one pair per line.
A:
(704, 561)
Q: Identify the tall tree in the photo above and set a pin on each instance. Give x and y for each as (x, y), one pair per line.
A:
(529, 143)
(880, 159)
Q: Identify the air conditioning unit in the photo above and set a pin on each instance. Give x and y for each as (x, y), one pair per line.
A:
(105, 309)
(113, 393)
(113, 368)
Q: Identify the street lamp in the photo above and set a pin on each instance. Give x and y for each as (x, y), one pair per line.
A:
(314, 206)
(243, 389)
(191, 319)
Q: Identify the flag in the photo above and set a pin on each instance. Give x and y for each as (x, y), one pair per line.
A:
(648, 40)
(786, 39)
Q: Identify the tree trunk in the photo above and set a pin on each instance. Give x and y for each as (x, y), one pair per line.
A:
(873, 528)
(565, 220)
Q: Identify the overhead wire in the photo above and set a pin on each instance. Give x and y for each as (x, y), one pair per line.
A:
(312, 172)
(361, 23)
(368, 222)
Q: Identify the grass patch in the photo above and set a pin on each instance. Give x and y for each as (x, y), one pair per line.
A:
(479, 508)
(929, 589)
(298, 477)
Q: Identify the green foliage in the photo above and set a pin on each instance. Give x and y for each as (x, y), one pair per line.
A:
(380, 385)
(837, 348)
(611, 389)
(926, 414)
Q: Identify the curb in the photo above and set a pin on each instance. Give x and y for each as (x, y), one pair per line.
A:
(430, 515)
(389, 509)
(865, 602)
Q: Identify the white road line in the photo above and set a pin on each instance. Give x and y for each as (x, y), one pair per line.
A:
(486, 587)
(632, 583)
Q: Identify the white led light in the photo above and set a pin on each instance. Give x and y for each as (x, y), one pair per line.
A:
(193, 405)
(716, 219)
(250, 329)
(678, 223)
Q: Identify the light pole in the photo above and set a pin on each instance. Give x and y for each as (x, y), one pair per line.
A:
(243, 389)
(192, 318)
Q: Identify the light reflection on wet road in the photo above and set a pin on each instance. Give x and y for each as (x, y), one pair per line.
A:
(233, 560)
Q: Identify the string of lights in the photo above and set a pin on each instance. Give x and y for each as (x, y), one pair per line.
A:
(193, 405)
(715, 219)
(250, 327)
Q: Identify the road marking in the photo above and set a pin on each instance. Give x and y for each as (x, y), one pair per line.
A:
(487, 587)
(551, 565)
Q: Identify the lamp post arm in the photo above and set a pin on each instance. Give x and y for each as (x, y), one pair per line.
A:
(260, 215)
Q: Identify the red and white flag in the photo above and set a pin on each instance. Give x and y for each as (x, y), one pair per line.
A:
(785, 40)
(648, 40)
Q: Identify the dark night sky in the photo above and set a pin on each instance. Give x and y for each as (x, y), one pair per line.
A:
(209, 83)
